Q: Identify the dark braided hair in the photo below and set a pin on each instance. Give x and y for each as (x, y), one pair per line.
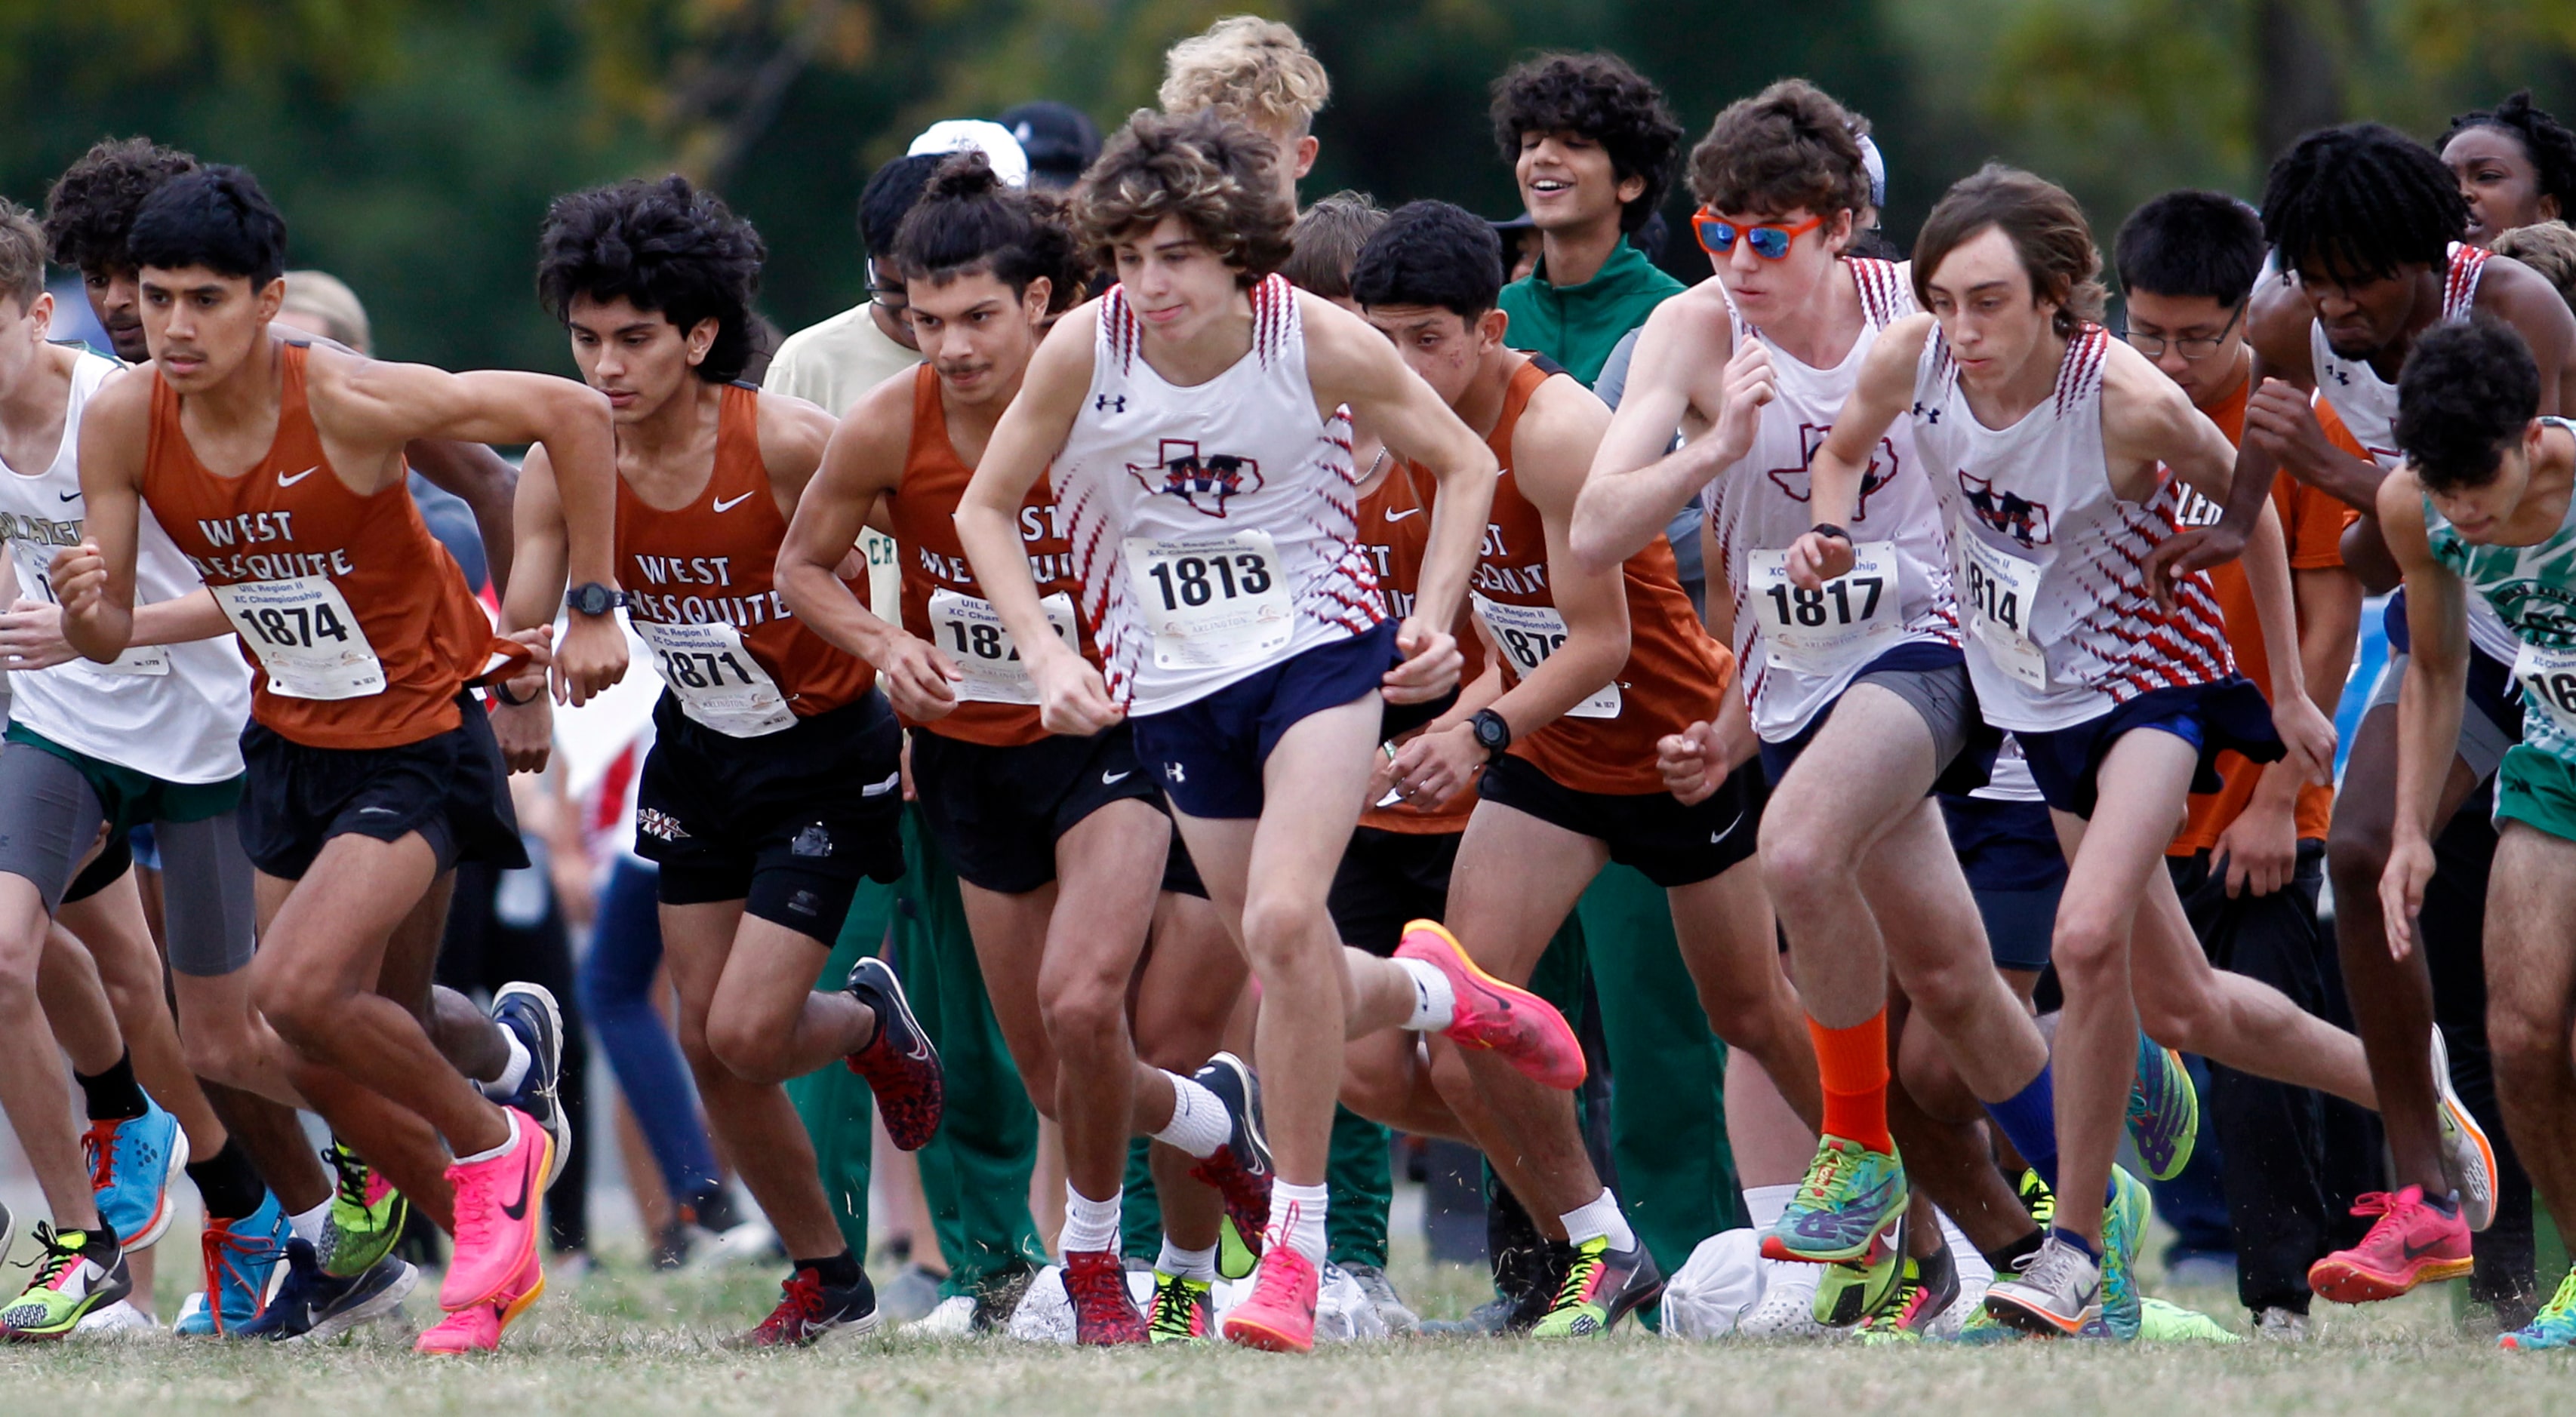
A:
(2359, 201)
(663, 246)
(2546, 141)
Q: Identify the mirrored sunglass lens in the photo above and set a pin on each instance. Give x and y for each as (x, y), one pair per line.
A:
(1716, 235)
(1769, 242)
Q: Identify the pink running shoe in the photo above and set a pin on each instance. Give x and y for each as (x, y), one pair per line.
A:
(1524, 1028)
(2411, 1243)
(477, 1328)
(1280, 1315)
(500, 1206)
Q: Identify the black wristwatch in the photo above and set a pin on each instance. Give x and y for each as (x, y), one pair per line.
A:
(1829, 529)
(1493, 732)
(592, 598)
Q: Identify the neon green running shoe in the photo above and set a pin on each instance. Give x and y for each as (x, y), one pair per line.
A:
(367, 1216)
(1602, 1286)
(2164, 1111)
(1849, 1292)
(2124, 1224)
(2163, 1322)
(1181, 1311)
(1925, 1291)
(2553, 1327)
(79, 1275)
(1845, 1209)
(1235, 1257)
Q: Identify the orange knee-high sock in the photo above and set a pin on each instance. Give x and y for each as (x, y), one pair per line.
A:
(1852, 1065)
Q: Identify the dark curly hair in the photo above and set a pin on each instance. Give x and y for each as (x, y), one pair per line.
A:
(663, 246)
(1431, 253)
(1210, 171)
(2466, 394)
(2047, 230)
(1600, 97)
(1786, 148)
(2546, 141)
(967, 221)
(216, 217)
(92, 205)
(2359, 201)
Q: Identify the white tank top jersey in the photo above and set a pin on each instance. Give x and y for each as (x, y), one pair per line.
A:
(2367, 404)
(1800, 649)
(175, 712)
(2049, 561)
(1215, 527)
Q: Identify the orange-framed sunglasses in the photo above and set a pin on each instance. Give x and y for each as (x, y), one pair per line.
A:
(1769, 239)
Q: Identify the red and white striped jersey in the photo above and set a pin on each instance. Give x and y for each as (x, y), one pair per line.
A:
(2050, 563)
(1215, 528)
(1796, 650)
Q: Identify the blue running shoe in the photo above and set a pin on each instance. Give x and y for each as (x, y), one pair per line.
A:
(2164, 1111)
(1845, 1210)
(241, 1256)
(130, 1166)
(2124, 1225)
(2553, 1327)
(530, 1011)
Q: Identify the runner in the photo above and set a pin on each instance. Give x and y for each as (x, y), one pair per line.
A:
(1060, 930)
(2516, 166)
(1250, 657)
(1258, 73)
(773, 785)
(2482, 505)
(370, 779)
(2055, 442)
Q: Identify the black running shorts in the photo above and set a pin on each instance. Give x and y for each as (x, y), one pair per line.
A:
(999, 810)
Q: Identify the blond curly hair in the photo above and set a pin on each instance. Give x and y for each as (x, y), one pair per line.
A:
(1253, 70)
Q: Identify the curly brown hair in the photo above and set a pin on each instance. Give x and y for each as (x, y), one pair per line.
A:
(92, 205)
(1786, 148)
(1210, 171)
(2044, 224)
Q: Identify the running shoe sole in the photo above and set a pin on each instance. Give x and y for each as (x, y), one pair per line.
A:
(1556, 1060)
(2012, 1313)
(1247, 1333)
(2348, 1283)
(553, 1120)
(2464, 1142)
(906, 1128)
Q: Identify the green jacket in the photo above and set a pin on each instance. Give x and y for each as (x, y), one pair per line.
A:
(1578, 325)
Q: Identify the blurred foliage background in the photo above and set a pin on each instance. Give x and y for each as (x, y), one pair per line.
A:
(414, 143)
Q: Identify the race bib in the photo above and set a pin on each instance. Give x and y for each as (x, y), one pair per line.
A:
(1213, 603)
(718, 682)
(305, 636)
(1819, 631)
(2548, 679)
(2000, 592)
(1528, 635)
(35, 581)
(970, 630)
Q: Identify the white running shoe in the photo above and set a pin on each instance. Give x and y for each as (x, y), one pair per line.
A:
(951, 1319)
(1787, 1307)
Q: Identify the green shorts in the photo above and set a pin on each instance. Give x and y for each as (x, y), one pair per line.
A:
(2538, 790)
(130, 798)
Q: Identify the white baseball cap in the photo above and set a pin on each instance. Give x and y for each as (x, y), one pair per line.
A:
(960, 135)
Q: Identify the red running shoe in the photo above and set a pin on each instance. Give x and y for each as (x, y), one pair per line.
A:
(1280, 1315)
(1104, 1313)
(2412, 1242)
(808, 1309)
(1238, 1171)
(1514, 1022)
(900, 1063)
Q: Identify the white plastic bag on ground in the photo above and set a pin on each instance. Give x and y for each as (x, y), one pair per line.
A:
(1714, 1289)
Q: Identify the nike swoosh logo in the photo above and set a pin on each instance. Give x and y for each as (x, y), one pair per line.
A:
(285, 481)
(1395, 516)
(724, 506)
(69, 496)
(1717, 836)
(518, 1210)
(1108, 779)
(2415, 1251)
(377, 812)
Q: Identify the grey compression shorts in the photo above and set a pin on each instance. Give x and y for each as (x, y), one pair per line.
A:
(2482, 740)
(51, 820)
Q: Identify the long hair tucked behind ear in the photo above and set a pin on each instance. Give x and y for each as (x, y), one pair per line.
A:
(2047, 230)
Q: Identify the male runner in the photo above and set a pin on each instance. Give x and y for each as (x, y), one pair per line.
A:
(1597, 665)
(2483, 505)
(371, 779)
(2366, 223)
(773, 785)
(1258, 73)
(1192, 420)
(2054, 444)
(1861, 697)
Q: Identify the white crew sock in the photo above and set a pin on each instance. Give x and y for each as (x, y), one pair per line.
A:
(1089, 1224)
(1297, 1218)
(1188, 1264)
(1599, 1219)
(508, 1115)
(308, 1226)
(1435, 1004)
(514, 1072)
(1200, 1123)
(1766, 1204)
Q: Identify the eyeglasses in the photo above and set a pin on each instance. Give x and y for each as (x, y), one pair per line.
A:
(1769, 239)
(2194, 348)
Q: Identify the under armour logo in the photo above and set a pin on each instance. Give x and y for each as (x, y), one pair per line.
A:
(1173, 771)
(1109, 403)
(1927, 414)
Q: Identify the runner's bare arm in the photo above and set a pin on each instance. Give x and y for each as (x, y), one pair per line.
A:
(1349, 362)
(97, 587)
(525, 729)
(488, 485)
(1071, 695)
(1638, 479)
(861, 464)
(2524, 299)
(2429, 702)
(1882, 395)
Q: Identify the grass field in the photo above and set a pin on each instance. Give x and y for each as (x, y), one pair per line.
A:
(624, 1343)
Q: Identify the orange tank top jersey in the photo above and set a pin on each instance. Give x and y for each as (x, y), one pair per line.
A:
(1395, 532)
(2313, 523)
(1676, 675)
(997, 703)
(360, 623)
(700, 590)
